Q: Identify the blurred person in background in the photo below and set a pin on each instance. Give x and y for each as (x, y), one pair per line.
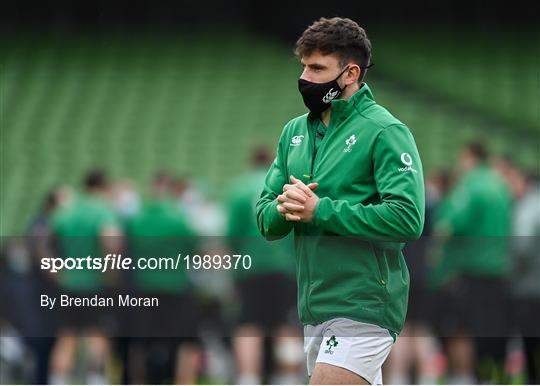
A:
(24, 280)
(88, 226)
(507, 169)
(41, 225)
(125, 199)
(205, 216)
(416, 357)
(525, 273)
(171, 352)
(267, 291)
(39, 243)
(472, 225)
(16, 354)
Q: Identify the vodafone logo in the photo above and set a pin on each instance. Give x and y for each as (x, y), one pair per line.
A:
(406, 159)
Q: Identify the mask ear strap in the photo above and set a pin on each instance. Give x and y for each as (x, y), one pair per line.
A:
(341, 73)
(365, 68)
(361, 67)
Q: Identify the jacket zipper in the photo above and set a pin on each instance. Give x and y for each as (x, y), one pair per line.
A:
(313, 138)
(308, 309)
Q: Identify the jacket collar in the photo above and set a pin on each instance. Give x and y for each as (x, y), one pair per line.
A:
(360, 100)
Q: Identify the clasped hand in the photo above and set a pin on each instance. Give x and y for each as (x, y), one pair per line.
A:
(298, 201)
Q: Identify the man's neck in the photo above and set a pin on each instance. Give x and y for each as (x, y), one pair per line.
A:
(347, 93)
(325, 117)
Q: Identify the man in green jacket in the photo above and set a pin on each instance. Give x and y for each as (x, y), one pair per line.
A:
(266, 291)
(348, 179)
(472, 228)
(87, 226)
(159, 230)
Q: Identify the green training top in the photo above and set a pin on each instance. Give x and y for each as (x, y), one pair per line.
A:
(349, 258)
(160, 231)
(77, 228)
(476, 216)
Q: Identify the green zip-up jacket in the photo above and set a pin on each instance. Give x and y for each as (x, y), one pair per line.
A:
(349, 259)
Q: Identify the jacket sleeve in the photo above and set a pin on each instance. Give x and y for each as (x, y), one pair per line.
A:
(399, 180)
(271, 224)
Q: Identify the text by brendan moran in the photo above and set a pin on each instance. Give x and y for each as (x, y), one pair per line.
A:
(97, 301)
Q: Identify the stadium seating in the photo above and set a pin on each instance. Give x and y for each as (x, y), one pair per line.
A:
(195, 105)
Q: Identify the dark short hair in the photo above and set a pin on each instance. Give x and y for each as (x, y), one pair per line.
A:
(260, 156)
(478, 151)
(95, 179)
(342, 37)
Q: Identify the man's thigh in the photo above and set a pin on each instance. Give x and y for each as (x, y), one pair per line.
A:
(348, 349)
(325, 374)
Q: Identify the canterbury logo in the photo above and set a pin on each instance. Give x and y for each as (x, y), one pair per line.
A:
(330, 95)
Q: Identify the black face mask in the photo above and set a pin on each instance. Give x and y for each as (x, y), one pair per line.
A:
(317, 96)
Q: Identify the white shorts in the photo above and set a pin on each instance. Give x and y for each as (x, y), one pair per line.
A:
(359, 347)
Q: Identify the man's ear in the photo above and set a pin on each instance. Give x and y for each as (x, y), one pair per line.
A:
(353, 74)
